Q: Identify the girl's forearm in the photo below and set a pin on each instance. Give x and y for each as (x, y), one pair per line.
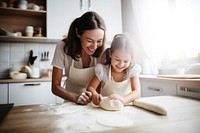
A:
(132, 96)
(92, 90)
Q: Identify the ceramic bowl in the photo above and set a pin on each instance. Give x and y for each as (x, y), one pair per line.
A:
(22, 6)
(18, 75)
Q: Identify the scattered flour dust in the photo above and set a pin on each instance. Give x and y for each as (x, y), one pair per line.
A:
(89, 118)
(114, 120)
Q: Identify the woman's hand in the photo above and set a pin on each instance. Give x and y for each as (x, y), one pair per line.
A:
(84, 98)
(96, 98)
(117, 97)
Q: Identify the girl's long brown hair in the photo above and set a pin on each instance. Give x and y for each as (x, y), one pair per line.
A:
(120, 41)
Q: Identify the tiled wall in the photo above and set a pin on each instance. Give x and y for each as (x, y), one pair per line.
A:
(18, 54)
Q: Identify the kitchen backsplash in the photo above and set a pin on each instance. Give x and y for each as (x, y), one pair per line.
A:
(17, 54)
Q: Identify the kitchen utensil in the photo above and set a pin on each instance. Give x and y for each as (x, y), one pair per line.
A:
(30, 5)
(36, 7)
(29, 31)
(22, 2)
(46, 73)
(47, 54)
(8, 32)
(33, 72)
(42, 56)
(38, 31)
(31, 58)
(22, 7)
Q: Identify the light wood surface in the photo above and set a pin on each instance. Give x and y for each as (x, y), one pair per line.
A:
(28, 80)
(182, 117)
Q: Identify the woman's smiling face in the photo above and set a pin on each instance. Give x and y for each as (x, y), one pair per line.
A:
(91, 40)
(120, 60)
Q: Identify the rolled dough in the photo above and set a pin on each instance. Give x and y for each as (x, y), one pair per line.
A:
(109, 104)
(157, 108)
(113, 120)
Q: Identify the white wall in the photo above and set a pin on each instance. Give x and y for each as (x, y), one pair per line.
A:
(18, 54)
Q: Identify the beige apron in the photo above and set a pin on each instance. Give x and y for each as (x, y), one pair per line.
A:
(78, 79)
(111, 87)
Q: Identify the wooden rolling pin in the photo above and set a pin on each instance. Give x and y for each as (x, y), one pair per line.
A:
(157, 108)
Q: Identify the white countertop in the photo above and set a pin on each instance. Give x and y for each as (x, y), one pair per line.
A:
(170, 77)
(159, 78)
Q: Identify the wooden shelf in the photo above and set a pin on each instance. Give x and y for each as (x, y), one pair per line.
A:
(18, 11)
(17, 19)
(25, 39)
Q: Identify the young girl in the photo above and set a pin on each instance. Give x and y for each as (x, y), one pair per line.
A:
(118, 74)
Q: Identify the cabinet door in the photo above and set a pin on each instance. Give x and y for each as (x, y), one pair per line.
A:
(58, 21)
(60, 14)
(150, 88)
(3, 93)
(189, 90)
(111, 12)
(31, 93)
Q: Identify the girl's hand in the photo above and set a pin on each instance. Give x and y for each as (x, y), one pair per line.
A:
(117, 97)
(84, 98)
(96, 98)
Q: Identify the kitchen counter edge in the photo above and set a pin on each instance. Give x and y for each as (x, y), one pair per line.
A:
(142, 77)
(27, 80)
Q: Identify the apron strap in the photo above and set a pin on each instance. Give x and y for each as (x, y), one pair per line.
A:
(72, 64)
(109, 73)
(95, 61)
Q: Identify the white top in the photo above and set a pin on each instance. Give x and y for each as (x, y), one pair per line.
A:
(102, 72)
(63, 61)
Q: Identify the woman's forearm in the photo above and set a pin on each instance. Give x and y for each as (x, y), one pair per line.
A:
(63, 93)
(58, 90)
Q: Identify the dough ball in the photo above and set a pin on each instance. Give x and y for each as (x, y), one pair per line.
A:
(109, 104)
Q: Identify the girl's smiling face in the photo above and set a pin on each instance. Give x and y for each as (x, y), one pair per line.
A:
(120, 60)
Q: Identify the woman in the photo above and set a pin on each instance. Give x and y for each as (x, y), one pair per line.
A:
(77, 55)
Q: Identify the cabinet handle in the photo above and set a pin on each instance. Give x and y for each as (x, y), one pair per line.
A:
(89, 5)
(81, 4)
(186, 89)
(32, 84)
(155, 89)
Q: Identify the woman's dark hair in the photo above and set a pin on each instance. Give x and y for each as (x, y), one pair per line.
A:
(88, 21)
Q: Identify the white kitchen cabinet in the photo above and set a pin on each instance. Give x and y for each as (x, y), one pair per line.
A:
(153, 88)
(189, 90)
(61, 13)
(3, 93)
(31, 93)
